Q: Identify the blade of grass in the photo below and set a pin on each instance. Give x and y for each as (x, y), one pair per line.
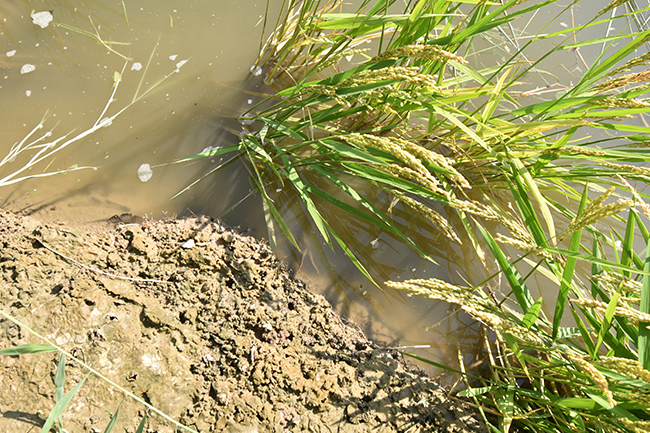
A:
(27, 349)
(143, 422)
(517, 283)
(111, 424)
(626, 255)
(569, 269)
(59, 383)
(609, 315)
(532, 314)
(541, 201)
(60, 406)
(595, 260)
(644, 331)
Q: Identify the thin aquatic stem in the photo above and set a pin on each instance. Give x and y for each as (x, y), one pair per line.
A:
(117, 80)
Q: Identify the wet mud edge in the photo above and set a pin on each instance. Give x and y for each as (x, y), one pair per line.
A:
(223, 339)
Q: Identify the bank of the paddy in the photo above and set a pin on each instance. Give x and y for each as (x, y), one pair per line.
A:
(225, 341)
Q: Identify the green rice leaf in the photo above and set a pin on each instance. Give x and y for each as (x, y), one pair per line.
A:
(269, 208)
(595, 260)
(372, 174)
(351, 152)
(517, 283)
(577, 403)
(532, 314)
(417, 9)
(644, 331)
(601, 69)
(27, 349)
(609, 315)
(283, 129)
(143, 422)
(598, 398)
(516, 351)
(60, 406)
(626, 255)
(504, 399)
(110, 425)
(541, 201)
(59, 383)
(258, 149)
(625, 127)
(568, 332)
(473, 392)
(378, 219)
(584, 333)
(302, 189)
(618, 379)
(527, 210)
(598, 40)
(596, 268)
(331, 114)
(205, 176)
(642, 228)
(569, 269)
(348, 252)
(354, 21)
(442, 366)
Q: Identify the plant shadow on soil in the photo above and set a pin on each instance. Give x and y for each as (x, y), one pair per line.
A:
(226, 341)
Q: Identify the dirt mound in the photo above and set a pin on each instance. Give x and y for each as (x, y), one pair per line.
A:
(205, 325)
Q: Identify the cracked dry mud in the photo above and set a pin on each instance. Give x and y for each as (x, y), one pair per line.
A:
(225, 340)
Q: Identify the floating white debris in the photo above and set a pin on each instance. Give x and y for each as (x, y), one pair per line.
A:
(188, 244)
(136, 66)
(250, 101)
(256, 70)
(11, 53)
(42, 18)
(349, 58)
(27, 68)
(28, 93)
(181, 63)
(173, 57)
(144, 172)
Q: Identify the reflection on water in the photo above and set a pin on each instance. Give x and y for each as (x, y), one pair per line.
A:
(73, 79)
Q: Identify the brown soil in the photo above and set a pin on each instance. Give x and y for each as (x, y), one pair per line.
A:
(225, 340)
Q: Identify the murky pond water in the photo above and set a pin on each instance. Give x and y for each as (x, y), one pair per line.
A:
(71, 83)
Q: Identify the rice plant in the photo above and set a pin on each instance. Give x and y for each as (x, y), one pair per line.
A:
(419, 123)
(593, 376)
(535, 179)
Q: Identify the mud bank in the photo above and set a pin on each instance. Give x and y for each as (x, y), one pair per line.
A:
(205, 325)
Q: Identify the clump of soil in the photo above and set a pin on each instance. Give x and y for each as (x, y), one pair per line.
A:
(205, 325)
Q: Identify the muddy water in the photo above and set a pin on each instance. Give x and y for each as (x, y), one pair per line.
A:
(198, 107)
